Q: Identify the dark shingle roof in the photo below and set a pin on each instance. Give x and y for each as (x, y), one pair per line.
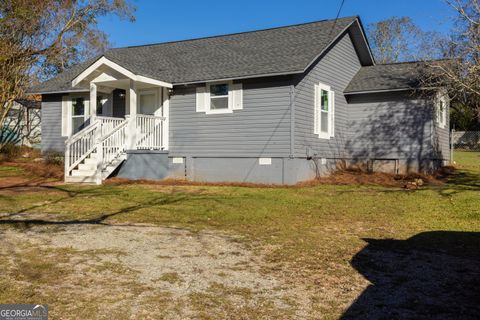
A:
(272, 51)
(384, 77)
(63, 81)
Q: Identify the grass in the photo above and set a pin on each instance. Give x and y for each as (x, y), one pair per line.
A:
(469, 161)
(10, 171)
(311, 232)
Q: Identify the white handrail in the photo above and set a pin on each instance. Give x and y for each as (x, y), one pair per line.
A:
(113, 144)
(109, 118)
(77, 149)
(108, 136)
(109, 123)
(81, 133)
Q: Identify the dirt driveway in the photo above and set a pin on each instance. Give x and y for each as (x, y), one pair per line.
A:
(133, 271)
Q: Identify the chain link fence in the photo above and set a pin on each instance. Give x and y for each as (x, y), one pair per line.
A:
(465, 140)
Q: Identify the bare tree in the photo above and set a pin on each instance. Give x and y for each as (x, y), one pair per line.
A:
(399, 39)
(39, 38)
(391, 39)
(460, 73)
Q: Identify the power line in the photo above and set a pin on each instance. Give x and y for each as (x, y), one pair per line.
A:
(336, 18)
(339, 9)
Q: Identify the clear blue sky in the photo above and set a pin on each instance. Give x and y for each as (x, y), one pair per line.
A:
(160, 21)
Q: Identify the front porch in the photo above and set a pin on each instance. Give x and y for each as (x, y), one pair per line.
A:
(125, 112)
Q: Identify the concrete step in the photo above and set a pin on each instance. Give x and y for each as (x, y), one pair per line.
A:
(90, 161)
(87, 166)
(83, 173)
(86, 180)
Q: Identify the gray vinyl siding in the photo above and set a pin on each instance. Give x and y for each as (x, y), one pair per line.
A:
(336, 68)
(52, 139)
(392, 125)
(260, 129)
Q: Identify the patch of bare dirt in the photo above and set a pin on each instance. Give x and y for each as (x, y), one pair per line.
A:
(358, 177)
(340, 177)
(188, 270)
(180, 182)
(41, 169)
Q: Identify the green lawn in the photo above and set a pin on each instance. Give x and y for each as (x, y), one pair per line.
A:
(315, 232)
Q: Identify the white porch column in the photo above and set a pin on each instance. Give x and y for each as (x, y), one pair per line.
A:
(165, 113)
(93, 101)
(131, 102)
(98, 133)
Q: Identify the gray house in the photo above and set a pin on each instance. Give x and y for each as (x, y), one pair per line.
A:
(279, 106)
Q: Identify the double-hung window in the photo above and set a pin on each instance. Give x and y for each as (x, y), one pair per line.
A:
(75, 113)
(324, 113)
(219, 97)
(441, 109)
(78, 114)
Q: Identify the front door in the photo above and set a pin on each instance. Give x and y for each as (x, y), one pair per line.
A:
(118, 103)
(147, 102)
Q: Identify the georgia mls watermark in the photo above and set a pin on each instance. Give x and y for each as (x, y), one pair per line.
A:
(23, 312)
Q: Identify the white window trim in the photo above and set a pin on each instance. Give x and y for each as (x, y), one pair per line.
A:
(441, 97)
(317, 112)
(66, 116)
(67, 112)
(208, 109)
(86, 110)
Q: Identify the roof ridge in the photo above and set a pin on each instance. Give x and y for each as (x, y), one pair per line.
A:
(235, 33)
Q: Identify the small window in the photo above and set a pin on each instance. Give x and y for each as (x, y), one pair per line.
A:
(442, 107)
(324, 111)
(219, 96)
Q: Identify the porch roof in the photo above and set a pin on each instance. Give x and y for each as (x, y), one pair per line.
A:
(276, 51)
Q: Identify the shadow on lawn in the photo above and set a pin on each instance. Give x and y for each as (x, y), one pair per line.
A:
(17, 218)
(458, 180)
(432, 275)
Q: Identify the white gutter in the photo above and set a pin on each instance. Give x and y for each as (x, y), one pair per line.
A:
(59, 91)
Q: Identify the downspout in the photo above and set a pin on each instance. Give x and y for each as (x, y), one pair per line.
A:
(292, 121)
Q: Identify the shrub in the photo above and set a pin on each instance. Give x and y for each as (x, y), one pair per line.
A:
(53, 158)
(10, 152)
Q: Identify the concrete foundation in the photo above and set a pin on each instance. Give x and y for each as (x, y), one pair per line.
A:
(157, 165)
(145, 164)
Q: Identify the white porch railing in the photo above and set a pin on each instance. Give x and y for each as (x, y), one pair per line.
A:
(109, 123)
(79, 146)
(113, 144)
(149, 132)
(109, 138)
